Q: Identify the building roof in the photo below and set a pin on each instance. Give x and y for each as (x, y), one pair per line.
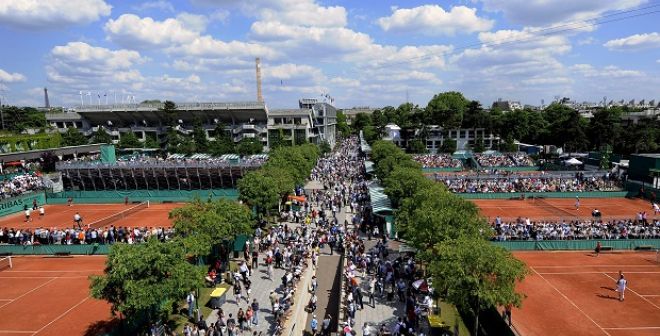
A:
(649, 155)
(380, 203)
(289, 112)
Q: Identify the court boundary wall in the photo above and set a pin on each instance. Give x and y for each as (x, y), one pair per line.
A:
(558, 245)
(90, 249)
(518, 195)
(16, 204)
(158, 196)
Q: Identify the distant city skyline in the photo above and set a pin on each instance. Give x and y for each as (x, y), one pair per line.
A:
(367, 53)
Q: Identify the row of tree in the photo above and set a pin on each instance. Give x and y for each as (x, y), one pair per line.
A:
(286, 168)
(145, 282)
(450, 235)
(557, 125)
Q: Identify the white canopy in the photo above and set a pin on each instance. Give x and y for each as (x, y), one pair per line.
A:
(572, 162)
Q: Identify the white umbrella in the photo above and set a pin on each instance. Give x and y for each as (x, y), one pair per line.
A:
(573, 162)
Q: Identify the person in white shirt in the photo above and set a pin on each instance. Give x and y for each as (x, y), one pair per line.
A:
(27, 215)
(621, 286)
(77, 219)
(42, 212)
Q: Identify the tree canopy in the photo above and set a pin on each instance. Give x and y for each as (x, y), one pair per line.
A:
(142, 281)
(73, 137)
(202, 224)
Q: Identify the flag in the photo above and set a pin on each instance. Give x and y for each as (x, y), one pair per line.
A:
(281, 82)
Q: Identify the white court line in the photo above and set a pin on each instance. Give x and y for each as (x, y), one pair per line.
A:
(630, 289)
(633, 328)
(570, 301)
(581, 266)
(30, 291)
(651, 295)
(16, 332)
(62, 315)
(595, 272)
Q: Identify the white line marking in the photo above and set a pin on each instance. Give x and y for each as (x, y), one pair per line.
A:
(582, 266)
(32, 290)
(633, 328)
(570, 301)
(595, 272)
(62, 315)
(16, 332)
(630, 289)
(651, 295)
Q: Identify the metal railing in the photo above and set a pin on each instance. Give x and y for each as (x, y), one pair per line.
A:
(179, 106)
(155, 164)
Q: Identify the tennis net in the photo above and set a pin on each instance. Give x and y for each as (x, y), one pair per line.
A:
(5, 263)
(118, 216)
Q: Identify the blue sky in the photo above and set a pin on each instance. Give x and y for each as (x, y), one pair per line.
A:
(361, 53)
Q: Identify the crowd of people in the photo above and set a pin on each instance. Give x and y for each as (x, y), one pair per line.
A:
(20, 184)
(525, 229)
(531, 184)
(175, 160)
(518, 159)
(437, 161)
(81, 236)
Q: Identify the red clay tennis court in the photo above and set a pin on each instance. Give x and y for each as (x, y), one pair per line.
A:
(50, 296)
(61, 216)
(562, 208)
(572, 293)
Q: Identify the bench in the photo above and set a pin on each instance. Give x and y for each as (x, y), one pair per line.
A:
(6, 254)
(606, 248)
(644, 248)
(63, 254)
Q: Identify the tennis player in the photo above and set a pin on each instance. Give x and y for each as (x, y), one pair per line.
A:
(27, 215)
(78, 220)
(42, 212)
(577, 202)
(621, 286)
(656, 209)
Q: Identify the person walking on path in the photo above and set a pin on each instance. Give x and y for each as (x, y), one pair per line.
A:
(325, 327)
(274, 298)
(255, 312)
(314, 324)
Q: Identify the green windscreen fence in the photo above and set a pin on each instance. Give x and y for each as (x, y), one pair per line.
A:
(550, 245)
(118, 196)
(108, 154)
(91, 249)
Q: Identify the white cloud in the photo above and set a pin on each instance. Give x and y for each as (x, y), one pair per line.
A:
(42, 14)
(434, 20)
(78, 63)
(131, 31)
(635, 42)
(208, 47)
(610, 71)
(162, 5)
(194, 22)
(294, 12)
(543, 12)
(11, 77)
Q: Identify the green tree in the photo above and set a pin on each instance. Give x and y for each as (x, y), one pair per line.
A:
(605, 127)
(404, 182)
(342, 125)
(479, 145)
(474, 275)
(324, 147)
(202, 225)
(417, 146)
(642, 137)
(129, 140)
(448, 146)
(446, 109)
(170, 112)
(249, 146)
(362, 120)
(19, 119)
(172, 140)
(73, 137)
(143, 281)
(223, 143)
(101, 137)
(259, 190)
(371, 134)
(434, 215)
(200, 139)
(151, 142)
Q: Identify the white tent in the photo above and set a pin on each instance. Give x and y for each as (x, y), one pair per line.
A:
(572, 162)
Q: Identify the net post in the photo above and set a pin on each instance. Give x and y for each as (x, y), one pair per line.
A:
(148, 203)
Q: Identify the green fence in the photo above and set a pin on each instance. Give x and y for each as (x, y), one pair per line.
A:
(588, 194)
(117, 196)
(440, 170)
(549, 245)
(93, 249)
(15, 204)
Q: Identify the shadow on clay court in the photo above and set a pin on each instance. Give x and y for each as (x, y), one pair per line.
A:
(102, 327)
(603, 296)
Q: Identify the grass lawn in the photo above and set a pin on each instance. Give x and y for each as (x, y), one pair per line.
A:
(177, 321)
(450, 315)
